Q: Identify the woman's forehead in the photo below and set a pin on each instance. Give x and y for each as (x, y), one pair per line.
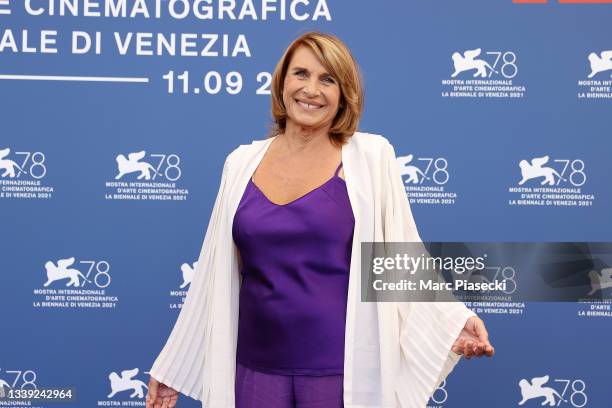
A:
(303, 57)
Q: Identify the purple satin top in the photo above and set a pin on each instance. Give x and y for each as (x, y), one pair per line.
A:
(296, 260)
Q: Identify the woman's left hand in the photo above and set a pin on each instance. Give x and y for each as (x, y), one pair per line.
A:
(473, 341)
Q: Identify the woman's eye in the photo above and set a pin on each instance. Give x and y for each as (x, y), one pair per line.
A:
(328, 80)
(300, 73)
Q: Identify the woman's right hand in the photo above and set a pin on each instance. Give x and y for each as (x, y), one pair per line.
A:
(160, 395)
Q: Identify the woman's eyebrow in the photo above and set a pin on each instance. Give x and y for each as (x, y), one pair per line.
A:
(306, 69)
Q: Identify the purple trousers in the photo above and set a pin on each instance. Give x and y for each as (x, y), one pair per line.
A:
(255, 389)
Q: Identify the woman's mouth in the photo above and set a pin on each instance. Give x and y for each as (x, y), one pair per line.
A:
(309, 106)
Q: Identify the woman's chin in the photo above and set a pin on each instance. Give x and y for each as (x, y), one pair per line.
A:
(306, 122)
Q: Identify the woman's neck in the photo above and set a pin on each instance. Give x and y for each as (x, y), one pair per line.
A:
(298, 139)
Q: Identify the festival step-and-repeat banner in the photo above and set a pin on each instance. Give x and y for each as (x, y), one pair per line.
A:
(117, 116)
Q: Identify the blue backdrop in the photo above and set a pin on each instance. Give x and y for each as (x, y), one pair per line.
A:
(113, 141)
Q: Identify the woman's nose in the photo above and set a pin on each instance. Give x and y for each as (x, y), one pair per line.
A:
(311, 88)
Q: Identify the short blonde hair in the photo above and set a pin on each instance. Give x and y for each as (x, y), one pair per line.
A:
(335, 56)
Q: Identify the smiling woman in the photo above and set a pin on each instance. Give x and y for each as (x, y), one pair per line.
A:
(310, 93)
(318, 80)
(276, 320)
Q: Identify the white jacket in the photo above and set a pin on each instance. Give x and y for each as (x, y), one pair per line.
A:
(396, 353)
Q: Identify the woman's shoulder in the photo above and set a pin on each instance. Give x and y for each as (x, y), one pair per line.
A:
(245, 149)
(369, 140)
(374, 147)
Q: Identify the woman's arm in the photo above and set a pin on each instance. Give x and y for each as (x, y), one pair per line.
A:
(180, 365)
(430, 332)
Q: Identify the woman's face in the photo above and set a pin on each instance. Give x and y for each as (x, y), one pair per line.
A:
(310, 94)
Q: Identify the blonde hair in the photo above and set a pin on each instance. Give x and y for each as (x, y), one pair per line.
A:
(335, 56)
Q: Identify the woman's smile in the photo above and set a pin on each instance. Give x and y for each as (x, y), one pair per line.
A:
(309, 106)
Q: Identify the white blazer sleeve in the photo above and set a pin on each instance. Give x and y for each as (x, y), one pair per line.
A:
(180, 365)
(427, 329)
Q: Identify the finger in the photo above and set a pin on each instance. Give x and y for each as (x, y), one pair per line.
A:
(467, 351)
(458, 346)
(481, 330)
(170, 392)
(165, 401)
(173, 400)
(480, 350)
(475, 348)
(152, 392)
(485, 342)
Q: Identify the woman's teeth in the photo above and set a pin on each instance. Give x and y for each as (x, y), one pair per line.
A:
(308, 106)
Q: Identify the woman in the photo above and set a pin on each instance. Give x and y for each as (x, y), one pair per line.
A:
(295, 224)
